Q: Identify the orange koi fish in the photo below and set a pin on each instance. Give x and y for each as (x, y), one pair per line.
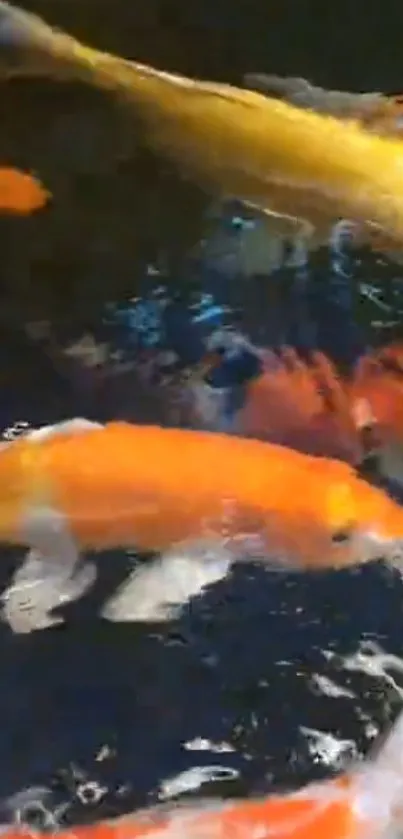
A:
(20, 193)
(302, 405)
(81, 486)
(311, 407)
(364, 803)
(282, 159)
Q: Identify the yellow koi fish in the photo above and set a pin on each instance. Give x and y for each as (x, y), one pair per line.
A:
(277, 157)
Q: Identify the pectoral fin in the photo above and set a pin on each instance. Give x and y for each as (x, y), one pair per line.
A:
(36, 590)
(49, 576)
(158, 590)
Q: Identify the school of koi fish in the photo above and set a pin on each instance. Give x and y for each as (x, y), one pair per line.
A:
(284, 486)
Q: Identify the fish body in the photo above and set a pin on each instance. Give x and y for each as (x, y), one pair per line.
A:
(280, 158)
(81, 486)
(311, 406)
(304, 405)
(20, 193)
(122, 485)
(364, 803)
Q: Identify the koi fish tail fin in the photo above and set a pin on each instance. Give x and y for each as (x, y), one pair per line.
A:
(30, 47)
(158, 590)
(378, 785)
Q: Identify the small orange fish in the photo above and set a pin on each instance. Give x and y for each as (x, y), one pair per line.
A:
(81, 486)
(364, 803)
(20, 193)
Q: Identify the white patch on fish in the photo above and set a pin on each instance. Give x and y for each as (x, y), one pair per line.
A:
(72, 426)
(40, 585)
(157, 590)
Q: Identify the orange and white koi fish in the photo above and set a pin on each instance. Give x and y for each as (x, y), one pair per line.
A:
(199, 499)
(20, 193)
(282, 159)
(364, 803)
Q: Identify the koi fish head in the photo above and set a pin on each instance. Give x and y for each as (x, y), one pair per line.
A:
(365, 523)
(335, 519)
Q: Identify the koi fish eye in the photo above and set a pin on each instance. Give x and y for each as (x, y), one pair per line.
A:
(340, 511)
(342, 535)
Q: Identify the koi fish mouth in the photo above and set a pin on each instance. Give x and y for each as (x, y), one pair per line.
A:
(395, 558)
(376, 547)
